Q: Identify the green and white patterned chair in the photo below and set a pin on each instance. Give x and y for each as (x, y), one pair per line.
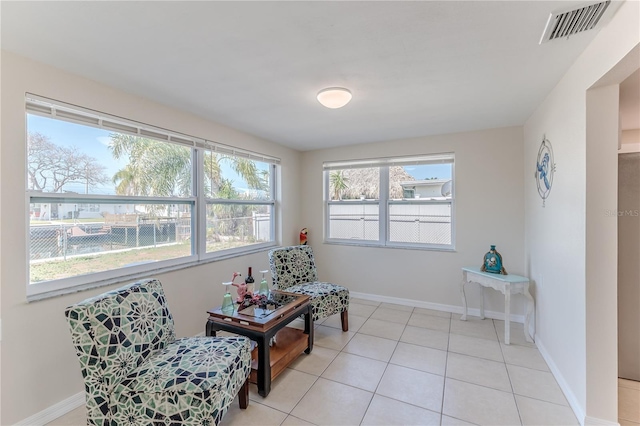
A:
(293, 269)
(137, 373)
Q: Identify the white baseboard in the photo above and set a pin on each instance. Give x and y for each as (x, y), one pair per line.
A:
(454, 309)
(571, 398)
(566, 389)
(594, 421)
(55, 411)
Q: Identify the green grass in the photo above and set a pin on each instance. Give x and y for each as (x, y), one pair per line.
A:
(90, 263)
(99, 262)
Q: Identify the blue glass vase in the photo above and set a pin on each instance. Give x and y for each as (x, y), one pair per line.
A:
(492, 262)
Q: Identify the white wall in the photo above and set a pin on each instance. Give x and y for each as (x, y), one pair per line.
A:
(602, 252)
(39, 366)
(488, 210)
(0, 245)
(630, 141)
(556, 243)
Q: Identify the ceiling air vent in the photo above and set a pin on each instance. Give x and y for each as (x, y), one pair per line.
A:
(568, 22)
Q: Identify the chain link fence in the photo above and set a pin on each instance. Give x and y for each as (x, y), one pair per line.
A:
(68, 239)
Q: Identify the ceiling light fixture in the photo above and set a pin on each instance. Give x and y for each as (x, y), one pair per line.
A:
(334, 97)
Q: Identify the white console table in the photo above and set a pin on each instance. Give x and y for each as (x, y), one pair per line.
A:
(507, 285)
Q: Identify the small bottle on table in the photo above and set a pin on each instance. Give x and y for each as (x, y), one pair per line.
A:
(249, 282)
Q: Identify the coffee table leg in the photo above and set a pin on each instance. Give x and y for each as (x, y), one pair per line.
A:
(264, 366)
(210, 331)
(308, 329)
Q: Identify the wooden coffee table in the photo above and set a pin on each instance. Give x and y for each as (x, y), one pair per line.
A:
(261, 325)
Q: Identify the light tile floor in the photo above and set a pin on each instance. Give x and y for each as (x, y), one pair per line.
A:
(628, 403)
(412, 366)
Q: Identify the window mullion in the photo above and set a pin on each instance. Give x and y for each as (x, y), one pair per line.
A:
(199, 243)
(327, 198)
(274, 208)
(383, 208)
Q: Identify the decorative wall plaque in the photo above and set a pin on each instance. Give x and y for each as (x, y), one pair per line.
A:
(545, 169)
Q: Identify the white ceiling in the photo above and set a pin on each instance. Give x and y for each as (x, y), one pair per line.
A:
(415, 68)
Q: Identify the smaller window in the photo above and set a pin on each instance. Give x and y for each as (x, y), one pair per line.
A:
(395, 202)
(408, 192)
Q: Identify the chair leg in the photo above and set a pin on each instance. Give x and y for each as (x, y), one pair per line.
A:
(243, 395)
(344, 317)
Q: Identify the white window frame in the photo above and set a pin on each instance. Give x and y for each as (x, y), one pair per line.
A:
(59, 110)
(384, 200)
(202, 217)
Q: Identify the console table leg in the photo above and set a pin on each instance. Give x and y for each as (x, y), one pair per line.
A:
(507, 316)
(464, 298)
(481, 302)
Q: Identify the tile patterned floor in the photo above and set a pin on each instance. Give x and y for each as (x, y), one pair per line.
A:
(628, 403)
(399, 365)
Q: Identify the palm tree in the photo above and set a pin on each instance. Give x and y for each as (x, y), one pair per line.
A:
(163, 169)
(338, 183)
(244, 167)
(155, 168)
(128, 181)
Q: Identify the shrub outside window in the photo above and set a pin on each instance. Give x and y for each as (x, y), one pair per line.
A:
(109, 199)
(394, 202)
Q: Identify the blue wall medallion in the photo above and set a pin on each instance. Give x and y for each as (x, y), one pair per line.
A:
(545, 169)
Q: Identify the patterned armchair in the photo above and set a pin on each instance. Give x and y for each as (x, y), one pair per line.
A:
(293, 269)
(136, 372)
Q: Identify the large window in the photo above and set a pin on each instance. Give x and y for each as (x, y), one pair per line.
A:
(108, 198)
(397, 202)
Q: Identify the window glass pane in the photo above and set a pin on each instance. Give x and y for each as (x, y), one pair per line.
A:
(418, 200)
(236, 178)
(67, 240)
(237, 225)
(65, 157)
(354, 184)
(354, 221)
(430, 181)
(420, 223)
(97, 191)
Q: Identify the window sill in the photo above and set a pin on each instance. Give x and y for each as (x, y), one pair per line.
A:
(361, 243)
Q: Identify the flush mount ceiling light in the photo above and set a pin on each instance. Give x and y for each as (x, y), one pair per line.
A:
(334, 97)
